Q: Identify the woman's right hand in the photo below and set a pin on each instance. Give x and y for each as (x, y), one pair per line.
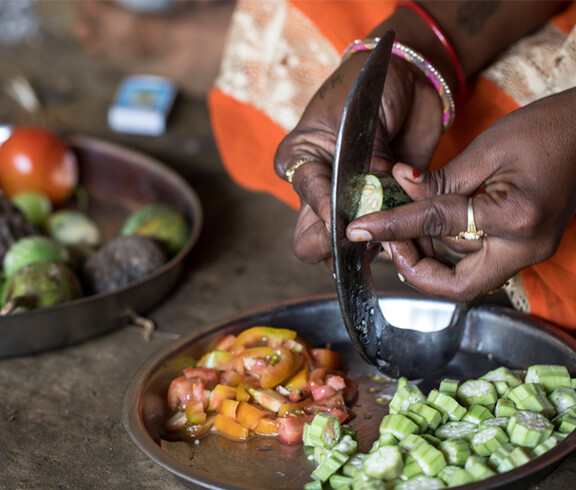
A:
(410, 124)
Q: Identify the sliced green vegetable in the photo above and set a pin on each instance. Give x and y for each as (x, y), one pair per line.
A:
(449, 386)
(518, 457)
(354, 464)
(429, 458)
(380, 192)
(324, 431)
(486, 441)
(456, 451)
(529, 428)
(386, 463)
(442, 439)
(504, 408)
(563, 399)
(404, 397)
(431, 415)
(339, 481)
(454, 476)
(477, 392)
(477, 414)
(532, 397)
(398, 425)
(446, 404)
(546, 445)
(478, 468)
(549, 376)
(329, 466)
(456, 430)
(421, 482)
(500, 454)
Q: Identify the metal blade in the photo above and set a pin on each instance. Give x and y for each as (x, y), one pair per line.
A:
(395, 351)
(357, 298)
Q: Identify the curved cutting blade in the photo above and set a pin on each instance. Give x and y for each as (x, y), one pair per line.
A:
(395, 351)
(357, 297)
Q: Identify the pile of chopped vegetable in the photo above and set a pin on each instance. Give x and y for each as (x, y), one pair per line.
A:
(263, 382)
(460, 433)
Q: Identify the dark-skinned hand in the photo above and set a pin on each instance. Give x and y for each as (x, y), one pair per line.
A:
(410, 126)
(524, 171)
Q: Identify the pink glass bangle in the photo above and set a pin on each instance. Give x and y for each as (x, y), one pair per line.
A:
(415, 58)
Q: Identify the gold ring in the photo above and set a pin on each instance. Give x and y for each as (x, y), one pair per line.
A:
(289, 174)
(471, 233)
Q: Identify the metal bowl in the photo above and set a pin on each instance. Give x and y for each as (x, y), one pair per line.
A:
(491, 339)
(117, 181)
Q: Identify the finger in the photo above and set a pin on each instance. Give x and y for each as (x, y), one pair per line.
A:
(442, 216)
(472, 277)
(311, 179)
(311, 241)
(436, 217)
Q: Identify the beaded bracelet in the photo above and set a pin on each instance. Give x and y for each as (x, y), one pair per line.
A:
(414, 57)
(439, 33)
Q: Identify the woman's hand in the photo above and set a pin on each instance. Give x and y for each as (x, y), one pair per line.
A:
(410, 124)
(525, 169)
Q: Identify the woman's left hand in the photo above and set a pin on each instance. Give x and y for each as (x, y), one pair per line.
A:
(524, 171)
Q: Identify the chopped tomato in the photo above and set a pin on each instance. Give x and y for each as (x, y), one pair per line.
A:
(230, 428)
(217, 359)
(225, 343)
(299, 380)
(325, 358)
(290, 428)
(195, 413)
(269, 399)
(228, 408)
(322, 391)
(262, 336)
(263, 382)
(266, 427)
(220, 393)
(271, 366)
(197, 430)
(208, 376)
(242, 394)
(179, 392)
(248, 415)
(336, 382)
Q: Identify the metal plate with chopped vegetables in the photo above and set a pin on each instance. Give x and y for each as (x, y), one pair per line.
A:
(490, 341)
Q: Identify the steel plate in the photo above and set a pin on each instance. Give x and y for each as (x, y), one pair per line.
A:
(491, 339)
(117, 181)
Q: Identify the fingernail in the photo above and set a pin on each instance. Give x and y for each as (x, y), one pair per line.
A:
(359, 235)
(401, 277)
(416, 173)
(387, 249)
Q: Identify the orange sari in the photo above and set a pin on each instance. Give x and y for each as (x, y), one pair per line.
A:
(280, 52)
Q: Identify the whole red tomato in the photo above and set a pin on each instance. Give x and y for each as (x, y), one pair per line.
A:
(35, 159)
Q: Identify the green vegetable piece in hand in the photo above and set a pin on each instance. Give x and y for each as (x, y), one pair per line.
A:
(34, 205)
(40, 284)
(160, 222)
(379, 192)
(32, 249)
